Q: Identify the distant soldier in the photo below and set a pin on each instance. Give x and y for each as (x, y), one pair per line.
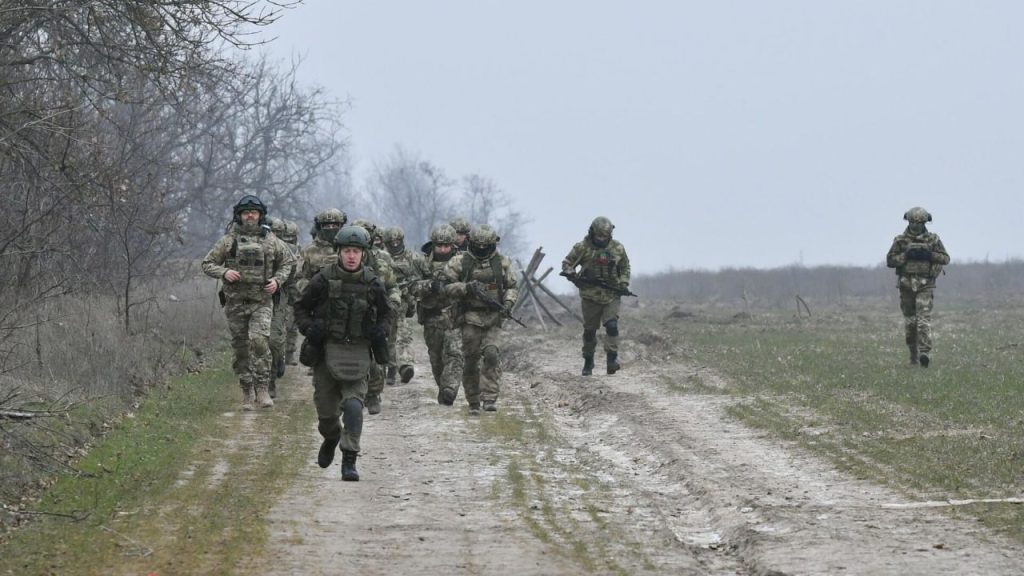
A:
(321, 252)
(483, 284)
(409, 267)
(254, 264)
(380, 261)
(462, 228)
(602, 278)
(433, 309)
(344, 314)
(282, 310)
(918, 257)
(291, 292)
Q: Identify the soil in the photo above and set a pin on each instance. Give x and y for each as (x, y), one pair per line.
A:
(607, 474)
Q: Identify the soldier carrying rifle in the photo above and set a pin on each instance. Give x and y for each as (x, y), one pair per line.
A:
(602, 279)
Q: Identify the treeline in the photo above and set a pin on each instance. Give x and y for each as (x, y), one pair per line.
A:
(828, 285)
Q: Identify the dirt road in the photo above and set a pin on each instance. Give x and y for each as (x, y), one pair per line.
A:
(617, 474)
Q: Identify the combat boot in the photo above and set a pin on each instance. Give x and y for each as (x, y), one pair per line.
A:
(445, 397)
(392, 374)
(613, 362)
(290, 360)
(490, 406)
(263, 396)
(406, 372)
(924, 359)
(348, 466)
(279, 367)
(588, 365)
(248, 398)
(474, 408)
(272, 388)
(373, 404)
(326, 454)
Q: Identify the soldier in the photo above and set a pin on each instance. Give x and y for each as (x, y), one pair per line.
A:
(254, 264)
(321, 252)
(603, 278)
(409, 267)
(282, 310)
(291, 291)
(380, 261)
(344, 314)
(482, 282)
(432, 311)
(918, 257)
(462, 227)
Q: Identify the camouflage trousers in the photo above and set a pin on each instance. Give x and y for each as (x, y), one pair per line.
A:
(595, 315)
(291, 335)
(400, 344)
(480, 346)
(250, 324)
(444, 347)
(329, 397)
(917, 317)
(283, 316)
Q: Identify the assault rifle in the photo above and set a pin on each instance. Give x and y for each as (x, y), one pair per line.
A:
(477, 289)
(580, 281)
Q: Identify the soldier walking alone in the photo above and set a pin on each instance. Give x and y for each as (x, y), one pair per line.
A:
(918, 257)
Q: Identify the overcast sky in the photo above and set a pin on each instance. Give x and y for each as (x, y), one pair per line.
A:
(711, 133)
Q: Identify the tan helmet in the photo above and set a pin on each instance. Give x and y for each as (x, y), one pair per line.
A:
(483, 240)
(291, 232)
(461, 225)
(394, 240)
(917, 215)
(443, 234)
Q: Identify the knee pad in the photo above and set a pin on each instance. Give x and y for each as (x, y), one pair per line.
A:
(260, 344)
(352, 415)
(589, 335)
(611, 327)
(491, 354)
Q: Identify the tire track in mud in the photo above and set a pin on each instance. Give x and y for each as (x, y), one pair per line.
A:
(736, 501)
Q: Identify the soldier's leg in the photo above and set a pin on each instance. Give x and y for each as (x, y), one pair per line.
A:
(327, 400)
(352, 395)
(592, 312)
(406, 360)
(471, 336)
(925, 300)
(490, 375)
(610, 320)
(451, 375)
(375, 385)
(238, 326)
(433, 336)
(391, 370)
(259, 352)
(277, 344)
(908, 306)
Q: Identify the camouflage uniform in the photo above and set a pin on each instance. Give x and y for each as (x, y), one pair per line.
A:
(479, 322)
(380, 261)
(291, 238)
(918, 257)
(342, 313)
(259, 257)
(601, 260)
(283, 318)
(409, 267)
(462, 228)
(433, 311)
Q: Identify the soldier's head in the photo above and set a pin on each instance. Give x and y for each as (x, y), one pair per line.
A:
(442, 241)
(394, 240)
(327, 223)
(917, 218)
(462, 229)
(250, 213)
(277, 226)
(482, 241)
(600, 232)
(352, 243)
(371, 229)
(291, 232)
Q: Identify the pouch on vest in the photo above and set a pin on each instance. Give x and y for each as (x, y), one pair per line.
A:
(918, 267)
(347, 361)
(309, 354)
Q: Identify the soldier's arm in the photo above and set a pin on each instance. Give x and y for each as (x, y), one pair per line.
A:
(383, 303)
(624, 271)
(213, 264)
(453, 286)
(511, 286)
(939, 254)
(312, 296)
(285, 261)
(572, 260)
(896, 257)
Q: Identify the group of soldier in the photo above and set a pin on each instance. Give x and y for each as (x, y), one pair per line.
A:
(352, 293)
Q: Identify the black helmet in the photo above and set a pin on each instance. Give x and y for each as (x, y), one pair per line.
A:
(249, 202)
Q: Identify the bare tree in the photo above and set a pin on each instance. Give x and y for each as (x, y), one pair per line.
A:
(484, 202)
(409, 192)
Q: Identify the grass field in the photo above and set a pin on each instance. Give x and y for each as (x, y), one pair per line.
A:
(840, 383)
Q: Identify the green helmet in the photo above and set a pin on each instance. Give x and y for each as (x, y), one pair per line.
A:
(352, 236)
(249, 202)
(482, 241)
(461, 225)
(394, 240)
(917, 215)
(443, 234)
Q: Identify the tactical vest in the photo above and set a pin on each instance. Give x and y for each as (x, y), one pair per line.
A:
(350, 312)
(601, 265)
(491, 277)
(320, 256)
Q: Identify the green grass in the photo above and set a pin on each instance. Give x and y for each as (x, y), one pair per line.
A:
(130, 486)
(841, 384)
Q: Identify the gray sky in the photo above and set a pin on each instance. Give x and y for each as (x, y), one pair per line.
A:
(712, 133)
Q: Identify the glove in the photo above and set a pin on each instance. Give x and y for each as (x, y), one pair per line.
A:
(436, 286)
(507, 308)
(570, 275)
(410, 310)
(379, 332)
(316, 332)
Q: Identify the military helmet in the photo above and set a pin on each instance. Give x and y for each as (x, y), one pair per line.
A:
(392, 234)
(601, 226)
(482, 241)
(443, 234)
(352, 236)
(291, 232)
(331, 216)
(461, 225)
(277, 226)
(917, 215)
(249, 202)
